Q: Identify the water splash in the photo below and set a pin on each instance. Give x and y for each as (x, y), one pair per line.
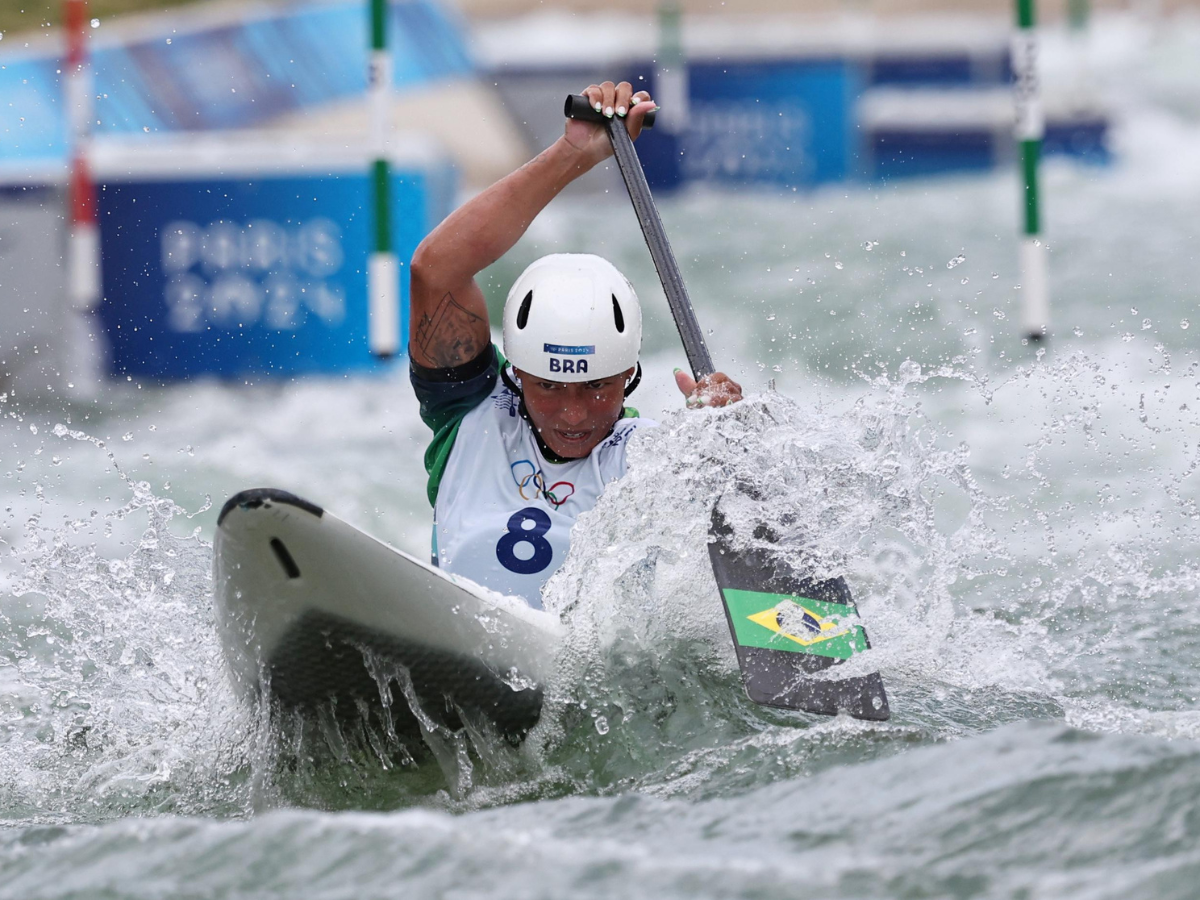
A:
(971, 625)
(853, 493)
(987, 599)
(116, 699)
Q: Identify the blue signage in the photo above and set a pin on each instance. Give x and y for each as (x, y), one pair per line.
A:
(787, 122)
(248, 276)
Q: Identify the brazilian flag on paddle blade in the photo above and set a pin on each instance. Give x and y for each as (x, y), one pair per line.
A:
(787, 628)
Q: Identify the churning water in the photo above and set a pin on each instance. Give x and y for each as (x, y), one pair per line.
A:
(1017, 523)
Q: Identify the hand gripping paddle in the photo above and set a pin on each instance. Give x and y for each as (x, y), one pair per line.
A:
(786, 625)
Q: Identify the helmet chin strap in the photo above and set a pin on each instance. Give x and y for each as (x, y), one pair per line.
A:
(634, 381)
(511, 384)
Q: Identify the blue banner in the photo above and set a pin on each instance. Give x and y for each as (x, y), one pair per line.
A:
(230, 76)
(785, 122)
(241, 277)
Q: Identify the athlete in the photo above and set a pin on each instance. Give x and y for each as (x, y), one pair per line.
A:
(526, 440)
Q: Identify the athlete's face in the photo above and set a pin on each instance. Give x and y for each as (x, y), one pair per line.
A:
(574, 417)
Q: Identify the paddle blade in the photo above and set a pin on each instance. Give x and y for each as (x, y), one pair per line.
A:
(786, 630)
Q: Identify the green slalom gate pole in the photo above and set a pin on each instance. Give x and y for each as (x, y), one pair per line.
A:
(1078, 14)
(671, 75)
(383, 270)
(1030, 127)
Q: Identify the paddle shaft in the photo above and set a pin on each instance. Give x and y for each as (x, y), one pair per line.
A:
(577, 107)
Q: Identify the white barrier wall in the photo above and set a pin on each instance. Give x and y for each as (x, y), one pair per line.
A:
(36, 320)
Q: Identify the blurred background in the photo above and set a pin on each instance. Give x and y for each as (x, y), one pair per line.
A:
(218, 200)
(185, 243)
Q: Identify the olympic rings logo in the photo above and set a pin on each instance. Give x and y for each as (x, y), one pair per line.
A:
(531, 484)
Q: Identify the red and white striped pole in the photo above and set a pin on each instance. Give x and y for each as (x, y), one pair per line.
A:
(83, 250)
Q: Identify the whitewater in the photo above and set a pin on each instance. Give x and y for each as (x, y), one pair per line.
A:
(1017, 522)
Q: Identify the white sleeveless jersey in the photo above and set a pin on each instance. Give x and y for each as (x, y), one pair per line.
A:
(504, 513)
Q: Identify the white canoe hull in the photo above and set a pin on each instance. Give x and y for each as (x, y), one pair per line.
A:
(305, 600)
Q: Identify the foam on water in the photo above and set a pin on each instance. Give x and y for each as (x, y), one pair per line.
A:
(1030, 811)
(854, 493)
(996, 579)
(116, 697)
(987, 600)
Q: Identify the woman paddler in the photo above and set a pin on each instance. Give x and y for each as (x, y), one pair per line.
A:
(526, 440)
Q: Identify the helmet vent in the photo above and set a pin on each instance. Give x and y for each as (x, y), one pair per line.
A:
(618, 315)
(523, 312)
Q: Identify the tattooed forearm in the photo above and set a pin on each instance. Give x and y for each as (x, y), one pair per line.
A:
(449, 336)
(536, 161)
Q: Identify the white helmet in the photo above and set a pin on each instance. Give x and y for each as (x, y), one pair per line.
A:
(572, 317)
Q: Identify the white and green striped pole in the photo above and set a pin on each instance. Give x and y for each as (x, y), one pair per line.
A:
(1079, 12)
(383, 271)
(671, 77)
(1030, 126)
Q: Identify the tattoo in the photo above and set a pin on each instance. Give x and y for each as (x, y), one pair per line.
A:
(447, 337)
(533, 162)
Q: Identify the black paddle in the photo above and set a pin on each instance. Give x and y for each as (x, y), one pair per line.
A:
(785, 624)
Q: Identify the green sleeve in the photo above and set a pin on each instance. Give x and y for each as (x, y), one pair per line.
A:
(446, 396)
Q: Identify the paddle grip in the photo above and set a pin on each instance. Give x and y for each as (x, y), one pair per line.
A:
(579, 107)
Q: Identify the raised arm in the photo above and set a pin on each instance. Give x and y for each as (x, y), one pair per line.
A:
(449, 322)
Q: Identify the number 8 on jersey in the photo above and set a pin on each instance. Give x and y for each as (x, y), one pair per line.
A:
(520, 531)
